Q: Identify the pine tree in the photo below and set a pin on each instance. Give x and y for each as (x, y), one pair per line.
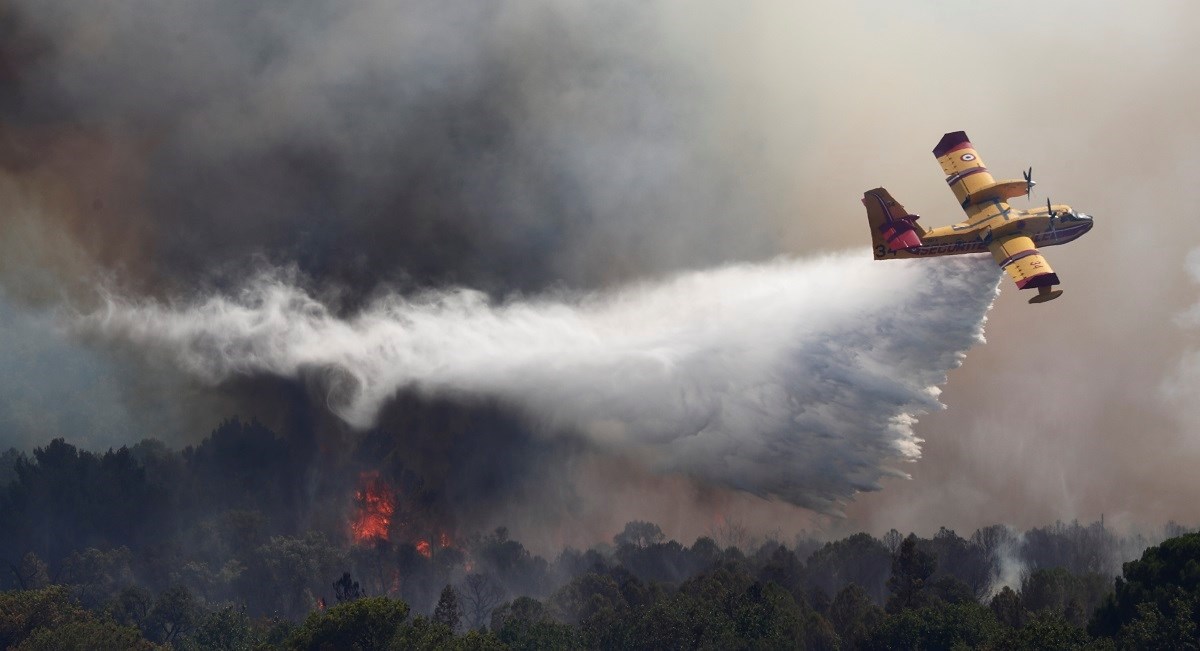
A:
(911, 568)
(346, 589)
(448, 611)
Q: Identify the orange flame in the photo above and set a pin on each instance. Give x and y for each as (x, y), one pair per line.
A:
(376, 503)
(424, 548)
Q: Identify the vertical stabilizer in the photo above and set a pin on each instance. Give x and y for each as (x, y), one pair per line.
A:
(892, 227)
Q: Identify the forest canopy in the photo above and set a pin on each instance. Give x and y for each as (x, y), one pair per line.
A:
(250, 540)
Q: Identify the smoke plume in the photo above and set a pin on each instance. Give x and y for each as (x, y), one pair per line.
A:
(523, 146)
(792, 379)
(505, 146)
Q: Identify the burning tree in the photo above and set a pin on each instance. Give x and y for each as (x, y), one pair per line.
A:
(424, 548)
(376, 503)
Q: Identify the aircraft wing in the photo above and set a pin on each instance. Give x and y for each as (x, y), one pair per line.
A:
(958, 157)
(968, 178)
(1017, 255)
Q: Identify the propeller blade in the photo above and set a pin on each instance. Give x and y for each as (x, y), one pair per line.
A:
(1028, 182)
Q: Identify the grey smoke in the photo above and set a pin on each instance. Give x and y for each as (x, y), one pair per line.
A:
(795, 379)
(1179, 388)
(1009, 567)
(527, 145)
(500, 145)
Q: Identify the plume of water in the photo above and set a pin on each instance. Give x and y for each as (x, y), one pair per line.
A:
(794, 379)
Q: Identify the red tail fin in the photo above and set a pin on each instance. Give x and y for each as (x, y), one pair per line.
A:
(892, 227)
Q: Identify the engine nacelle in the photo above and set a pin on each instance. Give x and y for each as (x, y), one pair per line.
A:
(901, 233)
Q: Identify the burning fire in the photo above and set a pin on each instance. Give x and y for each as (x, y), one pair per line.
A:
(376, 503)
(424, 548)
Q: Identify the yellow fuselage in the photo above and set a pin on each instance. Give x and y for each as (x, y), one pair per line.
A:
(995, 219)
(1012, 236)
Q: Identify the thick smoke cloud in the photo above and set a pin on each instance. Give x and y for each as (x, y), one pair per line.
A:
(168, 147)
(164, 149)
(795, 379)
(502, 146)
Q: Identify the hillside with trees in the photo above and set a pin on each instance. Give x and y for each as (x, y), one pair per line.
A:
(249, 540)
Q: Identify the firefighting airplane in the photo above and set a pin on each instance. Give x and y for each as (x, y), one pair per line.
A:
(1011, 235)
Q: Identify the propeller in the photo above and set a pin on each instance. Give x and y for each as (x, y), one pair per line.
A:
(1029, 182)
(1053, 214)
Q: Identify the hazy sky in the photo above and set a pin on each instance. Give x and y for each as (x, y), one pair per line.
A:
(739, 131)
(1062, 413)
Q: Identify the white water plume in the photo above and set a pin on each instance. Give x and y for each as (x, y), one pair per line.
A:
(796, 379)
